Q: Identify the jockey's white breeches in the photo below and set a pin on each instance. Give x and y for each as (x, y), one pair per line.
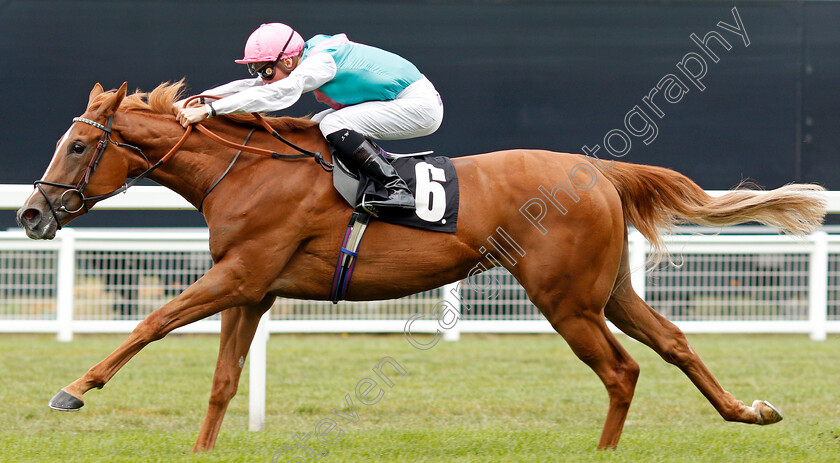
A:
(417, 111)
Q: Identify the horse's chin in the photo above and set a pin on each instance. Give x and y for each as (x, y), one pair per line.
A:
(44, 230)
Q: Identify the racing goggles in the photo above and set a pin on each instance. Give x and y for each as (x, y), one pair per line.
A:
(265, 70)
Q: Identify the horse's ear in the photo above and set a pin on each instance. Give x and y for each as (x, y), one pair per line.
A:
(121, 92)
(112, 102)
(97, 89)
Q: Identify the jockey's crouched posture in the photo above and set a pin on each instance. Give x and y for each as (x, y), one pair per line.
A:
(372, 93)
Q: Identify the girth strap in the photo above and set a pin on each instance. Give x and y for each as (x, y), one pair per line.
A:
(348, 253)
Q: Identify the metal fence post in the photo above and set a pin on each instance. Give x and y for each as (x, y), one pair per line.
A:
(818, 286)
(66, 280)
(256, 376)
(638, 259)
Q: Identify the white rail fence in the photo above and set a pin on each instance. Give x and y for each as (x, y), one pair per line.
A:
(106, 281)
(88, 281)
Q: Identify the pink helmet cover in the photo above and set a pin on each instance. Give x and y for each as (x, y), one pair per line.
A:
(266, 43)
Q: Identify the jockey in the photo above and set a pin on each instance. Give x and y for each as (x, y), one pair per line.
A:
(372, 94)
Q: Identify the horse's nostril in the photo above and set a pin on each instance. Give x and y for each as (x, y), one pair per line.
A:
(31, 215)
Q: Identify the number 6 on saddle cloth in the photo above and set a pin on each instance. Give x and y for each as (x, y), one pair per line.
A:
(432, 180)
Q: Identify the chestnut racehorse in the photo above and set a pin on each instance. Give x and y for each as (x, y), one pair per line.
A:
(276, 226)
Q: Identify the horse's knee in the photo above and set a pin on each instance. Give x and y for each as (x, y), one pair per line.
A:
(152, 328)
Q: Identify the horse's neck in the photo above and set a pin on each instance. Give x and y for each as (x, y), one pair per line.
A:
(197, 166)
(156, 135)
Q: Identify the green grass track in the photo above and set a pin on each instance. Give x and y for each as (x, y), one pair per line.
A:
(507, 398)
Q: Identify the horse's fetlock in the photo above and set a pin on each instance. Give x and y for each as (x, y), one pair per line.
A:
(94, 380)
(731, 414)
(733, 409)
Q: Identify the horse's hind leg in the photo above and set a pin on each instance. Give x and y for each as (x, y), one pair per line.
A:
(590, 339)
(638, 320)
(238, 327)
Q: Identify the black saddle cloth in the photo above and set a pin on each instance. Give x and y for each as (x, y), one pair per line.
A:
(434, 184)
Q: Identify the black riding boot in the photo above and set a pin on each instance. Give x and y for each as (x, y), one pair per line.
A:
(352, 147)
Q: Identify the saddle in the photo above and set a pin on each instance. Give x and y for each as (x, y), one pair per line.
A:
(432, 180)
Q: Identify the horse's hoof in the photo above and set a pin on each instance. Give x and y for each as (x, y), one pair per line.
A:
(65, 402)
(767, 413)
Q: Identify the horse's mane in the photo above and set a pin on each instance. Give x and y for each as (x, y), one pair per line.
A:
(161, 99)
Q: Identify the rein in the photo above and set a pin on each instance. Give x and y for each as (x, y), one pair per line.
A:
(224, 174)
(305, 153)
(77, 190)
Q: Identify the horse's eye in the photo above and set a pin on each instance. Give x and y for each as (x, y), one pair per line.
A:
(77, 148)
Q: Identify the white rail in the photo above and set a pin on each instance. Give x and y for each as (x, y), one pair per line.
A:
(162, 254)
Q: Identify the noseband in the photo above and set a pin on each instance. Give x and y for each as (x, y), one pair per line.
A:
(102, 145)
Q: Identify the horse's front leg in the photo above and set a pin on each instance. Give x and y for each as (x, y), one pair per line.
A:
(222, 287)
(238, 327)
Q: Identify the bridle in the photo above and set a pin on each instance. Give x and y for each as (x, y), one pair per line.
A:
(77, 190)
